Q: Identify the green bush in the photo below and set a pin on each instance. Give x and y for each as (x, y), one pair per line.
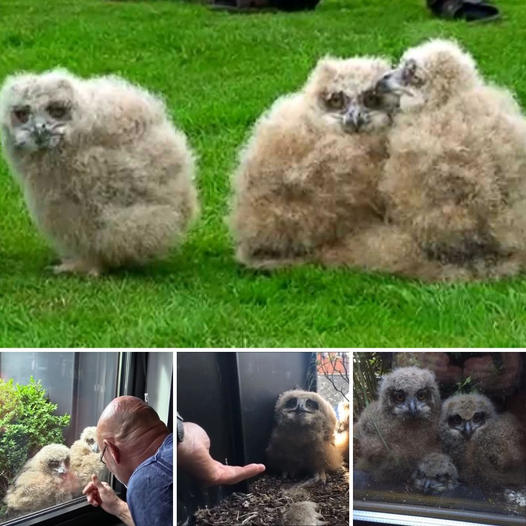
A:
(27, 423)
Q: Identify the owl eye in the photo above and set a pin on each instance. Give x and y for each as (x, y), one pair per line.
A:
(291, 403)
(421, 395)
(454, 421)
(371, 100)
(53, 463)
(311, 404)
(21, 114)
(90, 441)
(398, 396)
(57, 110)
(336, 101)
(478, 417)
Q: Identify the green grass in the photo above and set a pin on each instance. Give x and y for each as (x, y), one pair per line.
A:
(218, 72)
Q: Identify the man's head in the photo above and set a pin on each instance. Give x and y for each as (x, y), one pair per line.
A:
(128, 432)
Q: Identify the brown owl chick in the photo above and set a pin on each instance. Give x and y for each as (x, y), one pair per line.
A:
(308, 175)
(435, 474)
(462, 416)
(456, 174)
(45, 480)
(489, 449)
(106, 176)
(396, 431)
(85, 457)
(303, 514)
(496, 457)
(302, 440)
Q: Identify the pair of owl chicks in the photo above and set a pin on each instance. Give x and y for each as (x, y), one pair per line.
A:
(106, 176)
(55, 474)
(408, 435)
(418, 170)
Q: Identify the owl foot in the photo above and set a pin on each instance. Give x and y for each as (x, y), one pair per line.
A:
(314, 480)
(78, 266)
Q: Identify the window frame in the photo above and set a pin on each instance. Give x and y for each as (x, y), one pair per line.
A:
(375, 512)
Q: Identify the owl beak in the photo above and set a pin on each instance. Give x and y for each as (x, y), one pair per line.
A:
(392, 83)
(300, 408)
(413, 410)
(353, 119)
(468, 430)
(95, 447)
(40, 131)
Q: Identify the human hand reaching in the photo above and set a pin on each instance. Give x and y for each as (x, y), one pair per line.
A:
(101, 494)
(193, 456)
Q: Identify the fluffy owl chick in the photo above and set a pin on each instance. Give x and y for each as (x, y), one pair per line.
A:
(303, 514)
(456, 174)
(308, 175)
(85, 457)
(435, 474)
(45, 480)
(106, 176)
(496, 456)
(397, 430)
(462, 418)
(302, 440)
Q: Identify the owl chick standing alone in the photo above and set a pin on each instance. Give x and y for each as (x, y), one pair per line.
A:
(399, 429)
(105, 175)
(302, 441)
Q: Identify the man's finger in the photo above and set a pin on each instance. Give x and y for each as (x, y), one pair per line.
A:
(235, 474)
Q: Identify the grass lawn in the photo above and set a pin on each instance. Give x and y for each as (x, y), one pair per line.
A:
(218, 72)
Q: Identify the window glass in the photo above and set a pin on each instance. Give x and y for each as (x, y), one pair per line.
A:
(49, 405)
(441, 429)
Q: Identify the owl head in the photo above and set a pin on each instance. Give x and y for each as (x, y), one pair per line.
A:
(52, 459)
(430, 75)
(435, 474)
(464, 416)
(37, 110)
(303, 408)
(89, 437)
(410, 393)
(340, 91)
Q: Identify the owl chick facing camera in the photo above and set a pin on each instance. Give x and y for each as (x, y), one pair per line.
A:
(106, 176)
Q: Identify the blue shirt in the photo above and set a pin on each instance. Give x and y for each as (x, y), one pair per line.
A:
(149, 495)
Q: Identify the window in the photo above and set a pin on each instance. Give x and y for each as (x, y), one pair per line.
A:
(49, 405)
(439, 436)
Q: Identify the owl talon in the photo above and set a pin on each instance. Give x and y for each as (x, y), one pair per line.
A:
(77, 267)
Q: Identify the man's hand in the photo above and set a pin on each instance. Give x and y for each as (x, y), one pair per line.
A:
(101, 494)
(193, 456)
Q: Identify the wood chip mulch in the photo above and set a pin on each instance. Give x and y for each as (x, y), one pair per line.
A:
(269, 496)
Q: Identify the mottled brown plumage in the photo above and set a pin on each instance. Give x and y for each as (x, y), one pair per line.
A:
(302, 441)
(395, 432)
(488, 448)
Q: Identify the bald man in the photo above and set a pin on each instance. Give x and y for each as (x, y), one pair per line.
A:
(138, 449)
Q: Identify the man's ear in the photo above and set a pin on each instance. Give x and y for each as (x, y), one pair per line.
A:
(114, 452)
